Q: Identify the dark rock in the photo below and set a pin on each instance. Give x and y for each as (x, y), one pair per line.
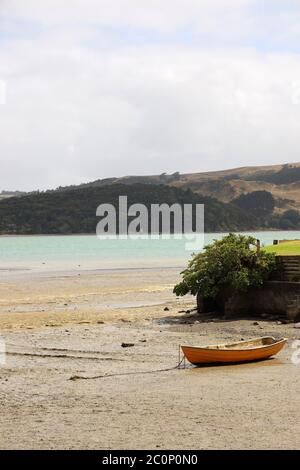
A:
(166, 309)
(255, 323)
(127, 345)
(286, 321)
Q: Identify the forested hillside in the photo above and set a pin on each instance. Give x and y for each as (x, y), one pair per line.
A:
(249, 198)
(74, 211)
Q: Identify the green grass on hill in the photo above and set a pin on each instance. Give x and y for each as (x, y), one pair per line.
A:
(285, 249)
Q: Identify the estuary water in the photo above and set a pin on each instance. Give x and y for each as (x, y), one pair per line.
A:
(89, 252)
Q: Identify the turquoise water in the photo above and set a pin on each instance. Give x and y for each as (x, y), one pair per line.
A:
(89, 251)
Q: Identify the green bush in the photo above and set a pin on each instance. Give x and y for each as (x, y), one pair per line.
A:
(231, 263)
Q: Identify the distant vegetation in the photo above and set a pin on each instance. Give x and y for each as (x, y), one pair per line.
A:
(258, 203)
(261, 204)
(74, 211)
(288, 220)
(286, 175)
(235, 200)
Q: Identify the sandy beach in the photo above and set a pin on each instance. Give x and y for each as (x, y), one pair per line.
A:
(69, 384)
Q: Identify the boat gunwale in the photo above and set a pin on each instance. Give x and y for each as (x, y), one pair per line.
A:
(218, 347)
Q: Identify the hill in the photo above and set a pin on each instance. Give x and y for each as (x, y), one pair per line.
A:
(7, 194)
(244, 198)
(282, 181)
(74, 211)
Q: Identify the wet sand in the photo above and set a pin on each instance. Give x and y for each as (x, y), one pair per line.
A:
(63, 335)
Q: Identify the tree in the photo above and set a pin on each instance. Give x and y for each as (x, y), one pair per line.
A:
(258, 203)
(230, 264)
(290, 219)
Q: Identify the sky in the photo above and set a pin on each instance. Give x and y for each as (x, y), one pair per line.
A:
(96, 88)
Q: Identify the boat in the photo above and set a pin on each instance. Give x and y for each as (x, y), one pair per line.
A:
(243, 351)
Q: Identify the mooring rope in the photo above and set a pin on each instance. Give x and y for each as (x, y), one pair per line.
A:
(82, 377)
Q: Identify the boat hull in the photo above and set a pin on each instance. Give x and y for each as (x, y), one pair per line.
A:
(198, 356)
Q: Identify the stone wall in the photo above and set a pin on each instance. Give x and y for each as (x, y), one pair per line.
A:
(275, 298)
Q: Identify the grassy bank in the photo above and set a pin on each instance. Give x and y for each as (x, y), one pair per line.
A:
(289, 248)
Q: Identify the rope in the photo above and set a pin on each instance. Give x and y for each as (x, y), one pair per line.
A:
(82, 377)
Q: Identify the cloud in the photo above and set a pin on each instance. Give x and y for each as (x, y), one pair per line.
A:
(155, 14)
(222, 19)
(82, 105)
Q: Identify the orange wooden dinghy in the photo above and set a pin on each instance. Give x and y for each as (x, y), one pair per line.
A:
(243, 351)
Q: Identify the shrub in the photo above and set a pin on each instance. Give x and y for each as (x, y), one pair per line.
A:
(231, 263)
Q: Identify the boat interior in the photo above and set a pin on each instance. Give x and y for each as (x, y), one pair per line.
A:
(251, 344)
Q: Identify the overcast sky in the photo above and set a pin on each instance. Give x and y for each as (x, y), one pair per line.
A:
(98, 88)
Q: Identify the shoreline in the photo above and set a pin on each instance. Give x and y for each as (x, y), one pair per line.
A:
(42, 297)
(17, 235)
